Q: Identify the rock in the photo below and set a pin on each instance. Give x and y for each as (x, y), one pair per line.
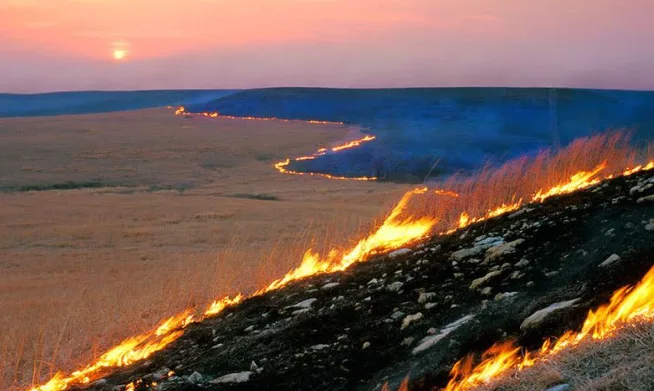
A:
(410, 319)
(161, 374)
(254, 367)
(319, 347)
(505, 295)
(195, 377)
(650, 225)
(490, 242)
(395, 287)
(399, 252)
(432, 340)
(306, 304)
(535, 319)
(560, 387)
(501, 250)
(614, 258)
(429, 306)
(239, 377)
(645, 199)
(477, 249)
(482, 280)
(397, 315)
(487, 291)
(407, 341)
(466, 253)
(425, 297)
(330, 285)
(520, 213)
(250, 328)
(366, 345)
(523, 262)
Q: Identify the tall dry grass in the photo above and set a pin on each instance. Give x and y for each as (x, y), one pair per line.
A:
(520, 179)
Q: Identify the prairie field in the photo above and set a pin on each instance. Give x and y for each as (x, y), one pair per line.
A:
(111, 222)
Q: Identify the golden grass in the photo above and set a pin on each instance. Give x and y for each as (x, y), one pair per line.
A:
(82, 269)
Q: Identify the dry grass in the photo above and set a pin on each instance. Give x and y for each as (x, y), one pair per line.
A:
(624, 362)
(520, 179)
(82, 269)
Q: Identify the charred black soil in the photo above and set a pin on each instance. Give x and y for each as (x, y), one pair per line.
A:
(417, 311)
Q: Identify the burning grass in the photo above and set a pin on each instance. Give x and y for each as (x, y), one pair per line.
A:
(422, 212)
(628, 305)
(623, 361)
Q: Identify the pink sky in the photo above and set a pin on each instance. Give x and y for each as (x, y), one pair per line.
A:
(54, 45)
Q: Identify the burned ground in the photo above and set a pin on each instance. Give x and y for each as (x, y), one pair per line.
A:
(417, 311)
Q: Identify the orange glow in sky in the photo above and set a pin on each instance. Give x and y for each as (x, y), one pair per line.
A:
(355, 43)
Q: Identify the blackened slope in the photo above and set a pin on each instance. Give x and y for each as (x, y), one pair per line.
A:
(565, 239)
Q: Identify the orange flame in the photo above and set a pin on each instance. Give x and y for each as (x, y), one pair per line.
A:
(281, 166)
(448, 193)
(404, 386)
(396, 231)
(627, 305)
(352, 144)
(214, 114)
(127, 352)
(580, 180)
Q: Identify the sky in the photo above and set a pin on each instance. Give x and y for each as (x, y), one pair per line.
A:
(63, 45)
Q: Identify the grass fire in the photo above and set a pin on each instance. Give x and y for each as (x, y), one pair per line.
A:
(422, 213)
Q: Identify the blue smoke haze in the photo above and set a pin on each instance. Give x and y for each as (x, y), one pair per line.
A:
(461, 128)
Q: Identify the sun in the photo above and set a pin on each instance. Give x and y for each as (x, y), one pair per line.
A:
(119, 54)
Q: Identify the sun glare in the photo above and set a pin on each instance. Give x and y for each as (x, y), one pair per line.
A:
(119, 54)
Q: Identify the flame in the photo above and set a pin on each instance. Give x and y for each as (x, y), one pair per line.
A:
(282, 165)
(627, 305)
(352, 144)
(219, 305)
(214, 114)
(126, 353)
(580, 180)
(396, 231)
(448, 193)
(404, 386)
(402, 227)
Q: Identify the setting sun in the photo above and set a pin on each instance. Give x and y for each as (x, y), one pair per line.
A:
(120, 54)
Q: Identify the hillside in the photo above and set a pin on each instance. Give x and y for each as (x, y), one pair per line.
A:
(460, 128)
(418, 310)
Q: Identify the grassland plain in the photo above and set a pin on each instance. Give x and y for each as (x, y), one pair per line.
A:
(110, 222)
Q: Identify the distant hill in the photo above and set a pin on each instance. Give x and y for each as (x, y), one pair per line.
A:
(463, 127)
(87, 102)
